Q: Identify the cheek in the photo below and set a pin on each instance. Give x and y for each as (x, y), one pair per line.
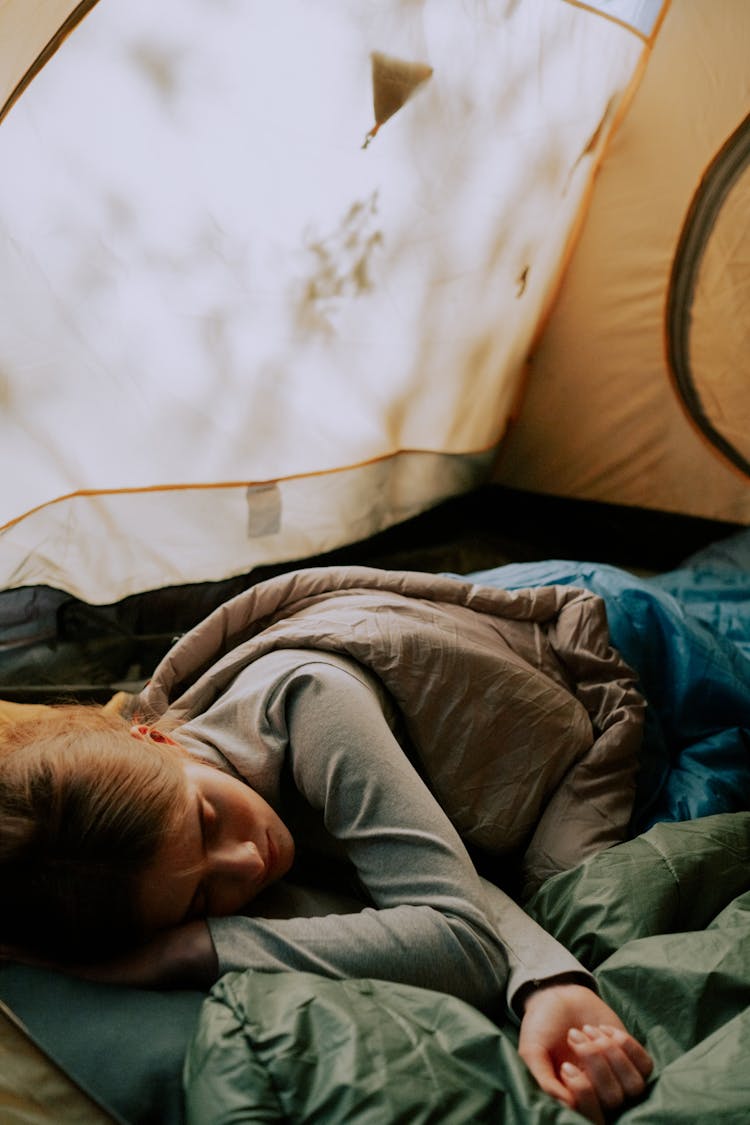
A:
(160, 900)
(284, 842)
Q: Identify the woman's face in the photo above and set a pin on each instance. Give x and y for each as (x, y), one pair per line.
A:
(228, 847)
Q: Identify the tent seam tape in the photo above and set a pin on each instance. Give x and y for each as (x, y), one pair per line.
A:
(88, 493)
(610, 18)
(50, 49)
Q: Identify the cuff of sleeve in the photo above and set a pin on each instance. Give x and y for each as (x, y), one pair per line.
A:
(521, 985)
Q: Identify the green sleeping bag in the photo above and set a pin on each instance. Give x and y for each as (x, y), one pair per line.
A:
(663, 920)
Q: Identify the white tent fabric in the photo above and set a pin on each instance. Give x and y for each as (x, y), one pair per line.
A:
(230, 333)
(639, 391)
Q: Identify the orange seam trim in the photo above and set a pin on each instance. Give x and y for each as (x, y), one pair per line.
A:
(50, 49)
(88, 493)
(575, 233)
(622, 23)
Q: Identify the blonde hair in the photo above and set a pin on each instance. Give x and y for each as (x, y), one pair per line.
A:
(84, 808)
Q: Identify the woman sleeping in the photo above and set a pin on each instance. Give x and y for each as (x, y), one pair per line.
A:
(381, 723)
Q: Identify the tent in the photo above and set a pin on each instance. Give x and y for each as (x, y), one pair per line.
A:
(639, 386)
(276, 278)
(241, 327)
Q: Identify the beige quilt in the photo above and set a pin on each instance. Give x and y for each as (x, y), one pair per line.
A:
(519, 714)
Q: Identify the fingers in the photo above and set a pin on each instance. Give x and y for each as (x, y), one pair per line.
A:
(579, 1052)
(614, 1063)
(637, 1054)
(540, 1065)
(584, 1099)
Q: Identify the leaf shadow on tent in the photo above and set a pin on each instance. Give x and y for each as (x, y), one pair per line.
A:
(195, 344)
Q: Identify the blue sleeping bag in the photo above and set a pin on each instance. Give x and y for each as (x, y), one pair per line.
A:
(687, 634)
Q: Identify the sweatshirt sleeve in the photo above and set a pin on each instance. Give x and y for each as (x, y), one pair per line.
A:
(432, 922)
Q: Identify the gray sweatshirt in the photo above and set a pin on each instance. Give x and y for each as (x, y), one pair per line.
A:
(318, 738)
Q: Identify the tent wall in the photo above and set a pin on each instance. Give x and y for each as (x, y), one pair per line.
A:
(639, 389)
(231, 333)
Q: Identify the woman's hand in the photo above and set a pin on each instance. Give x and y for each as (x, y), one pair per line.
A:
(579, 1051)
(183, 957)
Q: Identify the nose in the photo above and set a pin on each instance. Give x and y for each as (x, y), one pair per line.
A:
(235, 872)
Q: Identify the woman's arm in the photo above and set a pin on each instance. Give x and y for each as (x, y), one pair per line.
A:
(421, 859)
(432, 923)
(427, 922)
(182, 957)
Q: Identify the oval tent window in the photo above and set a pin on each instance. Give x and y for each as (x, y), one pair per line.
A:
(708, 306)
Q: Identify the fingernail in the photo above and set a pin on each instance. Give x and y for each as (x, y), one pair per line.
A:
(590, 1029)
(576, 1036)
(570, 1070)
